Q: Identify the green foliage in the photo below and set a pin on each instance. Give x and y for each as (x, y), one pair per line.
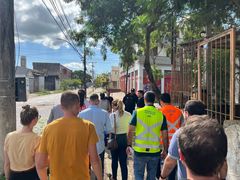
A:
(79, 75)
(102, 80)
(70, 84)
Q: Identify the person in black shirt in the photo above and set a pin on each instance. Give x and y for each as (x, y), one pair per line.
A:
(109, 98)
(130, 101)
(140, 102)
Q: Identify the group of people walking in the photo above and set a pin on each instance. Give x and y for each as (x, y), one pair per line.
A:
(166, 142)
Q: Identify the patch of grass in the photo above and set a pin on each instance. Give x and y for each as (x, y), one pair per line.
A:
(2, 177)
(43, 93)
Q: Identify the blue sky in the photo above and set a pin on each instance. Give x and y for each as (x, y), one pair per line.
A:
(36, 52)
(38, 36)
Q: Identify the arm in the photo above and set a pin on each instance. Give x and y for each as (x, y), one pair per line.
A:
(6, 165)
(164, 130)
(41, 160)
(51, 117)
(95, 161)
(165, 140)
(131, 130)
(168, 166)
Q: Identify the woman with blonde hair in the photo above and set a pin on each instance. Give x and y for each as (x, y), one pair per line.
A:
(119, 120)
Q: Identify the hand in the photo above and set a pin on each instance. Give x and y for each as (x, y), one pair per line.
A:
(162, 178)
(163, 154)
(129, 151)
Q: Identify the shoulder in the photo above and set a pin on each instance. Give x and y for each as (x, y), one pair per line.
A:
(88, 124)
(127, 113)
(103, 111)
(85, 111)
(11, 134)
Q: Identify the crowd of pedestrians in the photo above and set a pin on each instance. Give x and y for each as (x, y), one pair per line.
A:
(166, 142)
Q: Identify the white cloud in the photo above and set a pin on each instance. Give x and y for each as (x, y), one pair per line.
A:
(78, 66)
(35, 24)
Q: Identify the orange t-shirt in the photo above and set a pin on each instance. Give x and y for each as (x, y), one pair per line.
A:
(66, 142)
(174, 118)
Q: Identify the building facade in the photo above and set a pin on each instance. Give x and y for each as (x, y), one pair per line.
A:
(114, 78)
(138, 79)
(54, 74)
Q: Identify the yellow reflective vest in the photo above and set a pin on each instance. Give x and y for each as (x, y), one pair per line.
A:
(148, 130)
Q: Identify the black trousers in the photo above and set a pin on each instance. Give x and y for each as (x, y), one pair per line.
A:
(102, 161)
(120, 155)
(30, 174)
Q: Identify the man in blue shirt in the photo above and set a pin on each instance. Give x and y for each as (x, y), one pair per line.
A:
(192, 107)
(100, 118)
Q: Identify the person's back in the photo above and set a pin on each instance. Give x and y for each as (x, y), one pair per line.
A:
(56, 113)
(173, 115)
(67, 147)
(100, 118)
(192, 107)
(20, 147)
(129, 103)
(148, 124)
(68, 143)
(104, 104)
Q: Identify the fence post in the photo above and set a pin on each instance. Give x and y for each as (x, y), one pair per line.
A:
(199, 73)
(232, 72)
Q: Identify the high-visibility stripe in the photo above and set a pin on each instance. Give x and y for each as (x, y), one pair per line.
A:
(148, 146)
(173, 126)
(148, 130)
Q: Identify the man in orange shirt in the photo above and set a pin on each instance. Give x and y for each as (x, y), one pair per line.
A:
(174, 119)
(68, 143)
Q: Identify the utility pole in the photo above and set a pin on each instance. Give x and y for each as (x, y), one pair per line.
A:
(84, 66)
(7, 73)
(93, 69)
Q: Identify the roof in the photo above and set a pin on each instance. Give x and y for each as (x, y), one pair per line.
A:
(23, 72)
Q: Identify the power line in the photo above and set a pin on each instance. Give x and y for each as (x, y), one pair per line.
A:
(65, 15)
(61, 28)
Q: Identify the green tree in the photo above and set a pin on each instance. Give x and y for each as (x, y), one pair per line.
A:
(79, 75)
(70, 84)
(102, 80)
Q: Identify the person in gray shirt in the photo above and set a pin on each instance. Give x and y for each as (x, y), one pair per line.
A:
(56, 113)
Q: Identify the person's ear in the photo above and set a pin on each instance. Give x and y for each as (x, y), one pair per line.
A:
(186, 115)
(181, 156)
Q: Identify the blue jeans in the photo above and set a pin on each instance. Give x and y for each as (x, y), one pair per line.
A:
(142, 162)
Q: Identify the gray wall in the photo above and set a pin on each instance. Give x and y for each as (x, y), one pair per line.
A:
(232, 129)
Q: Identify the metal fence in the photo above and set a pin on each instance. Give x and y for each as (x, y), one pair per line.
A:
(209, 70)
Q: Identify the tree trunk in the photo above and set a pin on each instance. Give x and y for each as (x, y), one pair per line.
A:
(126, 87)
(147, 64)
(7, 73)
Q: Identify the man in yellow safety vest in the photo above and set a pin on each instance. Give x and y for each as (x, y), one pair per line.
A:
(149, 124)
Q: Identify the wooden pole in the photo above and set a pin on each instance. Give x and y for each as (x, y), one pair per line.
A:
(7, 73)
(232, 72)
